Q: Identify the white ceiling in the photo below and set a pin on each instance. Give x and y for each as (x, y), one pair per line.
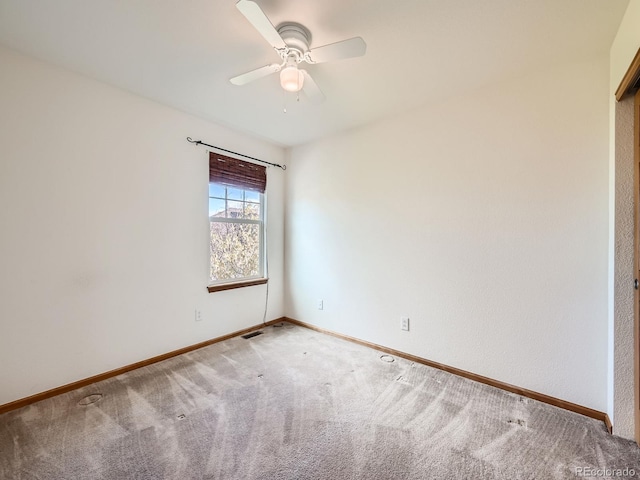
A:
(182, 53)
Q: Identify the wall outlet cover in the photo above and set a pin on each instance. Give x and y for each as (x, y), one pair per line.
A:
(404, 323)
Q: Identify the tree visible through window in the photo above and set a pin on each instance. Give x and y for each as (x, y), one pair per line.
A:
(236, 218)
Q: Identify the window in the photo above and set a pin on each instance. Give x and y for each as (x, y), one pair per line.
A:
(236, 218)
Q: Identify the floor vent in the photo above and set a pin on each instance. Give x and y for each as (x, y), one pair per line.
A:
(252, 334)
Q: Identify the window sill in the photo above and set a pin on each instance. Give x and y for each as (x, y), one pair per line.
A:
(231, 286)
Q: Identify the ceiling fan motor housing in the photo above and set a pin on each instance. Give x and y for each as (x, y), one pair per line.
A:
(296, 37)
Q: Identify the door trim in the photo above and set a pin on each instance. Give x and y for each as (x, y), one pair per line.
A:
(630, 78)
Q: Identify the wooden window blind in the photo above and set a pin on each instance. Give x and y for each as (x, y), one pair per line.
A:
(237, 173)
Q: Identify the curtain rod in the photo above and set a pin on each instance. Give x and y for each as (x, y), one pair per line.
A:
(198, 142)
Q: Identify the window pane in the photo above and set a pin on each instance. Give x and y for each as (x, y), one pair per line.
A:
(235, 251)
(216, 190)
(251, 196)
(234, 209)
(216, 207)
(235, 193)
(252, 211)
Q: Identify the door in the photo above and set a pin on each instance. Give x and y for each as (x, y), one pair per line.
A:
(636, 260)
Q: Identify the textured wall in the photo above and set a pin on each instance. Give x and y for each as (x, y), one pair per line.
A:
(624, 275)
(104, 248)
(483, 218)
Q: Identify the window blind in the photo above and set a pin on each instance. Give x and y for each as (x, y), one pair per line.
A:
(237, 173)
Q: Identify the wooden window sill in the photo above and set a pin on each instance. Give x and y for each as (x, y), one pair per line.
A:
(230, 286)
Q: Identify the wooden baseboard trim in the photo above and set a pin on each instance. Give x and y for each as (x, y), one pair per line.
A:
(23, 402)
(541, 397)
(607, 422)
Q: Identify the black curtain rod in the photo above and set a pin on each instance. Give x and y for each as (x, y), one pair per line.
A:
(198, 142)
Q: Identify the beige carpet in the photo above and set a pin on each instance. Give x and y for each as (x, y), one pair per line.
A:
(296, 404)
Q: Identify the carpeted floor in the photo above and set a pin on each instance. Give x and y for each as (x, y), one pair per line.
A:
(297, 404)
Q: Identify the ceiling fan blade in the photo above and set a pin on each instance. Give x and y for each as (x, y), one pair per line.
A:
(255, 74)
(311, 89)
(353, 47)
(260, 22)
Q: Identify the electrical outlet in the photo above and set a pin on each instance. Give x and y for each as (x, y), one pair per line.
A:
(320, 305)
(404, 323)
(198, 315)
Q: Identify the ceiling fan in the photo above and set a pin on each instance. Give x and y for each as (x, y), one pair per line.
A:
(291, 41)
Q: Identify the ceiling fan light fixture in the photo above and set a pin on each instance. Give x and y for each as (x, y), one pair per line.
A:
(291, 79)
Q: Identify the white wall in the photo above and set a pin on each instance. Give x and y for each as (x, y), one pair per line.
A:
(483, 218)
(104, 244)
(621, 399)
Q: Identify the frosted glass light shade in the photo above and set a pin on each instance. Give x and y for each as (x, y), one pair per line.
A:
(291, 79)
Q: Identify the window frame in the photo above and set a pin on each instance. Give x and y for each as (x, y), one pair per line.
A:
(260, 278)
